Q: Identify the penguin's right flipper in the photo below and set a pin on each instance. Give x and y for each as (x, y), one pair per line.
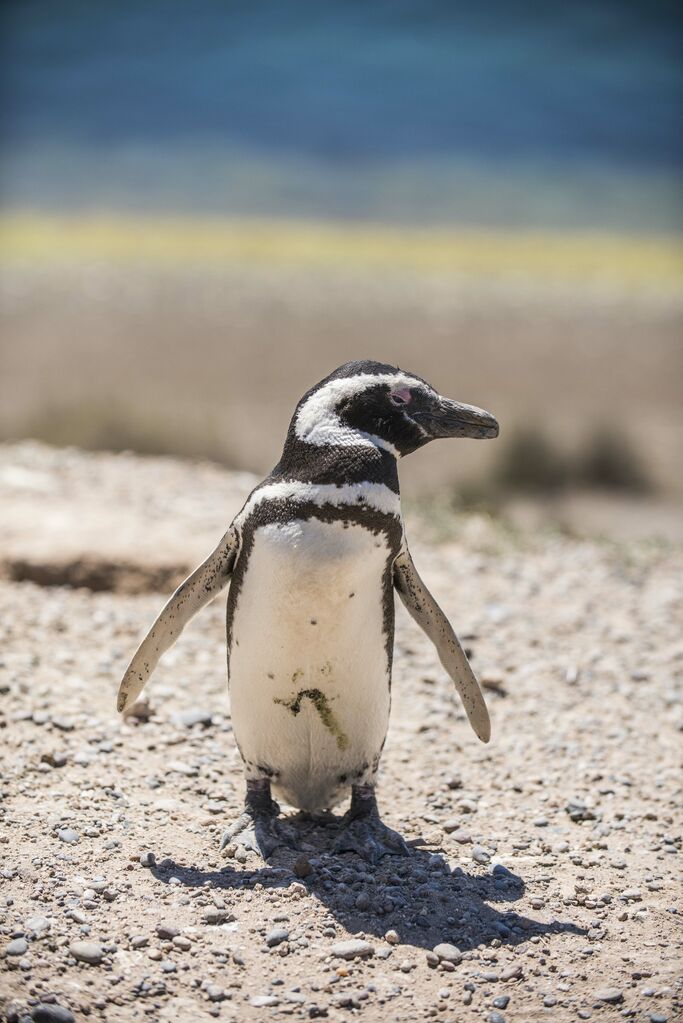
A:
(431, 619)
(192, 594)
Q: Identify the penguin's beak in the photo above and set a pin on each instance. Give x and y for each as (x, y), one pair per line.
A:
(446, 418)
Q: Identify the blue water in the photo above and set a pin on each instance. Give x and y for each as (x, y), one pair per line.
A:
(353, 108)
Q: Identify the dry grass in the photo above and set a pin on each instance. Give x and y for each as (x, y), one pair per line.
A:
(198, 338)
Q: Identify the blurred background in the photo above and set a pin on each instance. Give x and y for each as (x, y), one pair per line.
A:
(206, 208)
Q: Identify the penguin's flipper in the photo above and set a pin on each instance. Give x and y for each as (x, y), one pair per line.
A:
(198, 589)
(429, 616)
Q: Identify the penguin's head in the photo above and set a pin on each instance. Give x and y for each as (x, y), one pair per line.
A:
(371, 403)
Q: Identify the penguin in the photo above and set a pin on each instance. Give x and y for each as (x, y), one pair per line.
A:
(313, 559)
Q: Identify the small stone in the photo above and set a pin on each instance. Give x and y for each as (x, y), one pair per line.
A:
(444, 993)
(216, 917)
(183, 943)
(63, 724)
(68, 835)
(512, 972)
(353, 949)
(302, 868)
(448, 953)
(658, 1017)
(540, 822)
(480, 855)
(90, 952)
(362, 901)
(467, 806)
(611, 995)
(139, 941)
(215, 993)
(276, 937)
(18, 947)
(263, 1001)
(141, 710)
(190, 718)
(168, 967)
(549, 1001)
(392, 937)
(181, 767)
(496, 1017)
(37, 925)
(167, 932)
(501, 1002)
(147, 859)
(54, 759)
(461, 836)
(44, 1013)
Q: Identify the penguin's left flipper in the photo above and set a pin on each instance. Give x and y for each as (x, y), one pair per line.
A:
(198, 589)
(429, 616)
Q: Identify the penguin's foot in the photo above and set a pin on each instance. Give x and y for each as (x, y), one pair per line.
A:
(257, 829)
(364, 832)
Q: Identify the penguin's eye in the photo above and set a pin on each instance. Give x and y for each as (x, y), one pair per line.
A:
(401, 397)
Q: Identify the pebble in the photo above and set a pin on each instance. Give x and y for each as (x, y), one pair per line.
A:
(467, 806)
(447, 952)
(47, 1013)
(147, 859)
(480, 855)
(37, 924)
(461, 836)
(302, 868)
(512, 972)
(496, 1017)
(68, 835)
(215, 993)
(392, 937)
(276, 937)
(190, 718)
(17, 947)
(501, 1002)
(353, 949)
(54, 759)
(167, 932)
(263, 1001)
(611, 995)
(216, 917)
(90, 952)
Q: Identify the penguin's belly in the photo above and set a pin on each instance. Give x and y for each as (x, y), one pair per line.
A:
(309, 667)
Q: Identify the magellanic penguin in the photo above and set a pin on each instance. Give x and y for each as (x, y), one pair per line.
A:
(313, 558)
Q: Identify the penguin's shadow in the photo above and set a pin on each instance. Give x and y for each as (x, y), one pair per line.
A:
(416, 895)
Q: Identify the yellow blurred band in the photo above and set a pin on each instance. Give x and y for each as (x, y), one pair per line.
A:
(543, 255)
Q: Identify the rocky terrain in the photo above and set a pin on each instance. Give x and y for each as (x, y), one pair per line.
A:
(543, 878)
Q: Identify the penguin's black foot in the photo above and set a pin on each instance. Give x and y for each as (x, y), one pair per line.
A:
(257, 829)
(364, 832)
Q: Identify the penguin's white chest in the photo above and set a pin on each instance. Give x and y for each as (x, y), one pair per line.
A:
(309, 670)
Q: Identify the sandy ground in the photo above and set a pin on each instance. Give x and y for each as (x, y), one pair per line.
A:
(547, 862)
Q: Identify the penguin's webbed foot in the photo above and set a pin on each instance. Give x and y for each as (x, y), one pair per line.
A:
(257, 829)
(364, 832)
(259, 833)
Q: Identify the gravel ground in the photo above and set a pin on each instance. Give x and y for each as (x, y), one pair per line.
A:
(542, 879)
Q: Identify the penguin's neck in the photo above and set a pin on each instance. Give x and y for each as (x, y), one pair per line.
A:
(339, 464)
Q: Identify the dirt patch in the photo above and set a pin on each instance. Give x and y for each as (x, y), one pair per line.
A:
(98, 576)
